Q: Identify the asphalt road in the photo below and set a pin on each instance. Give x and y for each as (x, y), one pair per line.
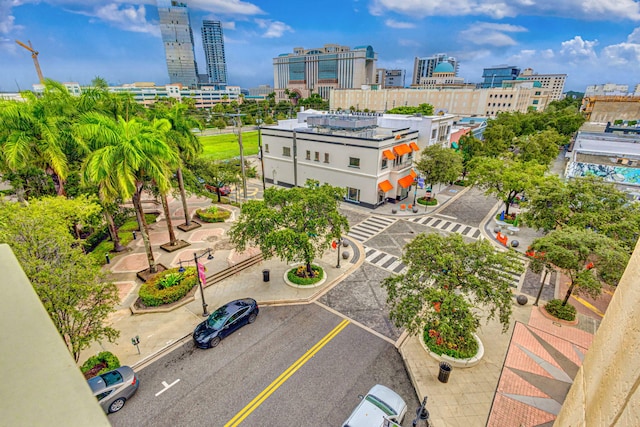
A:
(210, 387)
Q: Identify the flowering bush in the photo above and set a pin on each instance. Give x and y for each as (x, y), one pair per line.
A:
(167, 287)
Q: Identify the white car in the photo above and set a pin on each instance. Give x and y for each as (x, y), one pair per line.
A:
(379, 405)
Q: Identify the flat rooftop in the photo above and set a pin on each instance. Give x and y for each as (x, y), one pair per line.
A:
(607, 144)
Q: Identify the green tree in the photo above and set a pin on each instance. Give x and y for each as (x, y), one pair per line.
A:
(36, 132)
(469, 146)
(541, 147)
(424, 109)
(505, 178)
(71, 287)
(294, 224)
(439, 164)
(498, 139)
(128, 154)
(586, 257)
(588, 202)
(446, 282)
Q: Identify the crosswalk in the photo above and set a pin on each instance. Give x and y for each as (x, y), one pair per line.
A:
(445, 224)
(384, 260)
(370, 227)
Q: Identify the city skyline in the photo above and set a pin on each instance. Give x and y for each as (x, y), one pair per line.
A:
(121, 41)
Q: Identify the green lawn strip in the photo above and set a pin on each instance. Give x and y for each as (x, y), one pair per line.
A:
(126, 236)
(225, 146)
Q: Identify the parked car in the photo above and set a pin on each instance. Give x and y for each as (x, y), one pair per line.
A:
(225, 190)
(113, 388)
(380, 404)
(225, 320)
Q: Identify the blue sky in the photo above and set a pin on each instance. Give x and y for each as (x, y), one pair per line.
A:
(592, 41)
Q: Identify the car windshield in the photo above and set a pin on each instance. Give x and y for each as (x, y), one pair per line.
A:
(217, 318)
(380, 405)
(111, 378)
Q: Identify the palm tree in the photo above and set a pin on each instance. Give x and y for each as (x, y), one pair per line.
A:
(182, 139)
(37, 132)
(128, 155)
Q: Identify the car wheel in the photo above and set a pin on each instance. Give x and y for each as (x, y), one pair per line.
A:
(116, 405)
(214, 342)
(252, 317)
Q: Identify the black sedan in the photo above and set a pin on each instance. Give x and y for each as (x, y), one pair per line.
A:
(225, 320)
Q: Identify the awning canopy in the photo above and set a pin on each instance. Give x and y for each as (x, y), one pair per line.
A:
(388, 154)
(414, 146)
(413, 173)
(385, 186)
(406, 181)
(401, 149)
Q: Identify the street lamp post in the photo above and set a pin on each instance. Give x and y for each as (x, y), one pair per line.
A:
(200, 274)
(339, 243)
(261, 152)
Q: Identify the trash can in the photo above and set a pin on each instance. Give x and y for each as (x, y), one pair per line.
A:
(265, 275)
(445, 371)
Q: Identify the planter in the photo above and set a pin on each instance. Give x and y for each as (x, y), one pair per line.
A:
(548, 315)
(456, 363)
(315, 285)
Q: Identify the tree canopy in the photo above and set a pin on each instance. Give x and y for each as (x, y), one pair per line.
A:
(294, 224)
(424, 109)
(439, 164)
(445, 279)
(71, 287)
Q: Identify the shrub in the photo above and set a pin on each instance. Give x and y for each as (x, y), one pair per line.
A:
(464, 346)
(461, 183)
(95, 238)
(213, 214)
(431, 201)
(564, 312)
(298, 275)
(104, 361)
(167, 287)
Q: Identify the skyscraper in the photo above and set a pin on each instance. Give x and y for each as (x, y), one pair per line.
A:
(178, 42)
(494, 76)
(213, 43)
(423, 67)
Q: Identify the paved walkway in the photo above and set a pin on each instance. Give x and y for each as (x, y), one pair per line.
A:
(466, 400)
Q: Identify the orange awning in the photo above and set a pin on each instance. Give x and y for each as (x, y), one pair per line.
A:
(401, 149)
(413, 173)
(388, 154)
(414, 146)
(385, 186)
(406, 181)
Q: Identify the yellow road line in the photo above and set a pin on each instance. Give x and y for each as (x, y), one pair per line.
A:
(588, 305)
(607, 291)
(257, 401)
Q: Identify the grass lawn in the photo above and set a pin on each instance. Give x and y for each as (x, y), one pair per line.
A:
(225, 146)
(126, 236)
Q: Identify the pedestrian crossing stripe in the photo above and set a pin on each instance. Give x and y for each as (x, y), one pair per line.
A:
(384, 260)
(370, 227)
(448, 225)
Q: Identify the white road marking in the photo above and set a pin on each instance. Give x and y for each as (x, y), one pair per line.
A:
(166, 386)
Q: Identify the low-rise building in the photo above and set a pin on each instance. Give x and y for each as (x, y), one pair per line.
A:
(605, 108)
(520, 96)
(613, 157)
(554, 82)
(371, 155)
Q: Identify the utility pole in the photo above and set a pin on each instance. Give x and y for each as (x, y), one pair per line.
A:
(242, 169)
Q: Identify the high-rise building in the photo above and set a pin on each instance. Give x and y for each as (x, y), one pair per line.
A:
(555, 82)
(423, 67)
(213, 44)
(390, 78)
(494, 76)
(320, 70)
(178, 42)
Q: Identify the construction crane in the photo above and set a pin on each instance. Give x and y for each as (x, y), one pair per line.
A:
(34, 55)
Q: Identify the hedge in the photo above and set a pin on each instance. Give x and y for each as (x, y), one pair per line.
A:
(156, 292)
(104, 357)
(294, 277)
(564, 312)
(213, 214)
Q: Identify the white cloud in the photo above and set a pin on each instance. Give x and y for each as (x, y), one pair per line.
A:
(226, 7)
(610, 10)
(408, 42)
(392, 23)
(229, 25)
(487, 33)
(577, 49)
(634, 37)
(625, 53)
(128, 18)
(274, 29)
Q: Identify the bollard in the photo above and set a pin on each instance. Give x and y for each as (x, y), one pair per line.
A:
(134, 236)
(108, 260)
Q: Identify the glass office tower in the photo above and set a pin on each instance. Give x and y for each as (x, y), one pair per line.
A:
(178, 42)
(213, 44)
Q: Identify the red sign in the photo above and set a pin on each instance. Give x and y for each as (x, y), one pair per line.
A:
(201, 270)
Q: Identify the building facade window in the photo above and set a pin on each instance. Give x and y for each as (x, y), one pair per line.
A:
(317, 156)
(354, 162)
(308, 156)
(353, 194)
(385, 163)
(433, 133)
(326, 157)
(266, 148)
(286, 151)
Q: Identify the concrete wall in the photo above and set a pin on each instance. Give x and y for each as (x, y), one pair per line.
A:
(605, 390)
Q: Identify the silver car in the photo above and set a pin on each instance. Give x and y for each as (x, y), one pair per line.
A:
(380, 407)
(113, 388)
